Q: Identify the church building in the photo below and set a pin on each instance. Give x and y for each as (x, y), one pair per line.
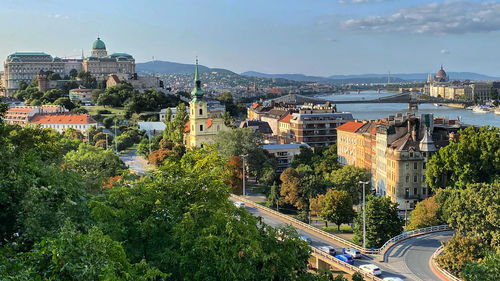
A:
(202, 126)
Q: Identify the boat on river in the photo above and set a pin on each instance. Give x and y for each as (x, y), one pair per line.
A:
(480, 109)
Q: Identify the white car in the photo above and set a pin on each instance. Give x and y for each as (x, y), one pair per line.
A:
(328, 249)
(371, 268)
(392, 279)
(239, 204)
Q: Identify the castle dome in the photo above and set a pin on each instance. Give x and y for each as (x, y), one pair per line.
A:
(99, 44)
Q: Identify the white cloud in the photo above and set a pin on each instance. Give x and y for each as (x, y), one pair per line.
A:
(445, 51)
(459, 17)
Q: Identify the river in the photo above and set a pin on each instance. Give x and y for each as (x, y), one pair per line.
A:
(371, 111)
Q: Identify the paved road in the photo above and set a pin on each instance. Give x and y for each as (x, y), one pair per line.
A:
(411, 257)
(402, 257)
(135, 162)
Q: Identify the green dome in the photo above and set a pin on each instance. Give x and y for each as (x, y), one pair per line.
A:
(98, 44)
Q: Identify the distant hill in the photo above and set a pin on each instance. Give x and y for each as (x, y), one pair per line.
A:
(331, 80)
(167, 67)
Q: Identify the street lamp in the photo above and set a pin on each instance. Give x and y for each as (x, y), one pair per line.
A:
(243, 159)
(364, 217)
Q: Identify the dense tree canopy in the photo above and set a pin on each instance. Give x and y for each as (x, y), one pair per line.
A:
(474, 158)
(425, 214)
(347, 178)
(336, 207)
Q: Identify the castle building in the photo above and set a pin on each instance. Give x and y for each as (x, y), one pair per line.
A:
(24, 66)
(100, 65)
(202, 126)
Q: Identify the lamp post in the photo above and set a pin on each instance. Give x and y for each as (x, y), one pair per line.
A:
(116, 146)
(243, 159)
(364, 216)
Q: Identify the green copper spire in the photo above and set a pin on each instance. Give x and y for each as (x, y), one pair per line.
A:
(197, 92)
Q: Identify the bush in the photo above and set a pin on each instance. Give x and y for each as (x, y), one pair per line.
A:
(107, 122)
(123, 142)
(104, 111)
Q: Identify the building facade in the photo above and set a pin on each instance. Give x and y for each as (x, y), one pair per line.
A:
(317, 126)
(24, 66)
(283, 154)
(348, 142)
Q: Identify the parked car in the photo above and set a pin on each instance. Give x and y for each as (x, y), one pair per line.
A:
(345, 258)
(328, 249)
(392, 279)
(305, 238)
(239, 204)
(371, 268)
(353, 252)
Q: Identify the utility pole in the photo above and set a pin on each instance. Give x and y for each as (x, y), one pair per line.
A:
(116, 146)
(149, 138)
(106, 141)
(364, 213)
(243, 159)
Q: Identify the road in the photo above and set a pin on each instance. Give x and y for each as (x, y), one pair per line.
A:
(135, 162)
(411, 257)
(408, 260)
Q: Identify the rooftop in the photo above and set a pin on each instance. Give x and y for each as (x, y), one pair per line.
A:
(62, 118)
(351, 126)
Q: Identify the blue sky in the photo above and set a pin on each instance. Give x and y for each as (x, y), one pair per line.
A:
(314, 37)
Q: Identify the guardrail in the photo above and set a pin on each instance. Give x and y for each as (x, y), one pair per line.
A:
(447, 274)
(336, 261)
(408, 234)
(402, 236)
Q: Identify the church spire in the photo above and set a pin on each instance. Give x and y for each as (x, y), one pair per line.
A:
(197, 92)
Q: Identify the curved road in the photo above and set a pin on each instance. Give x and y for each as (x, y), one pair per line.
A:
(411, 257)
(408, 260)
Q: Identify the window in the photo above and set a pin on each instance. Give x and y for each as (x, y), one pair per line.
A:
(423, 190)
(415, 191)
(407, 178)
(415, 178)
(415, 165)
(201, 111)
(411, 154)
(407, 192)
(407, 166)
(424, 165)
(423, 178)
(201, 128)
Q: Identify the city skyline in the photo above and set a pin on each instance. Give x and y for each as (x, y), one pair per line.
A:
(321, 37)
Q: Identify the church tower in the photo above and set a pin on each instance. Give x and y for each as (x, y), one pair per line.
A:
(198, 117)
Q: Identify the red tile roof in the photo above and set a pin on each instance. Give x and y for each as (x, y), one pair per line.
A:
(255, 105)
(62, 118)
(187, 127)
(209, 123)
(351, 126)
(287, 118)
(20, 109)
(115, 78)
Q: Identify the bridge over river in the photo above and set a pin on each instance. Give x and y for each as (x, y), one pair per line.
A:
(411, 100)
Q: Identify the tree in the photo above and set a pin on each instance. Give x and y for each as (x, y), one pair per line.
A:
(382, 222)
(305, 157)
(425, 214)
(475, 211)
(460, 250)
(290, 181)
(233, 177)
(347, 178)
(328, 161)
(243, 141)
(337, 207)
(179, 219)
(357, 277)
(159, 156)
(73, 73)
(76, 256)
(88, 81)
(54, 76)
(274, 198)
(474, 158)
(487, 269)
(316, 204)
(65, 102)
(94, 163)
(174, 129)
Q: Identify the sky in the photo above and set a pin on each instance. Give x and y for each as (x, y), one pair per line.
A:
(313, 37)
